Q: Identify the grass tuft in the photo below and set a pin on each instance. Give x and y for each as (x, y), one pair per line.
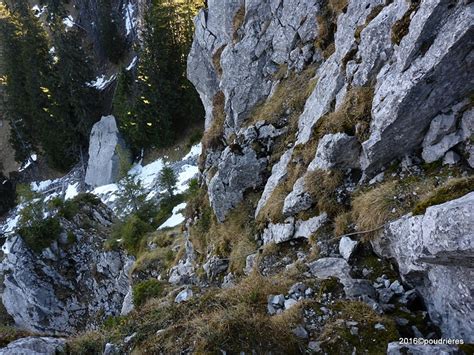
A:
(401, 27)
(321, 186)
(212, 137)
(453, 189)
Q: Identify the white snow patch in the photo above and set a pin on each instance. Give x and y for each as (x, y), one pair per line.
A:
(132, 63)
(129, 18)
(196, 150)
(176, 219)
(68, 21)
(40, 186)
(38, 12)
(100, 83)
(11, 224)
(147, 174)
(186, 174)
(71, 191)
(107, 193)
(33, 157)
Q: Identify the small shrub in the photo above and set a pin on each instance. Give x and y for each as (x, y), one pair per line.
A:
(131, 233)
(9, 334)
(24, 193)
(453, 189)
(70, 208)
(145, 290)
(39, 234)
(90, 343)
(168, 180)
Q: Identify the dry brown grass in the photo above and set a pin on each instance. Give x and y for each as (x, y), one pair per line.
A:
(233, 239)
(336, 337)
(321, 186)
(401, 27)
(289, 96)
(238, 21)
(374, 208)
(327, 26)
(452, 189)
(213, 135)
(216, 60)
(355, 110)
(239, 253)
(337, 6)
(233, 319)
(342, 224)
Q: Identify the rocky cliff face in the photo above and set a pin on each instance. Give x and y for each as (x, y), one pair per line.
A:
(301, 93)
(73, 285)
(434, 253)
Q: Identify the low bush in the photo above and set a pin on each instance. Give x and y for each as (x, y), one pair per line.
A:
(9, 334)
(130, 233)
(39, 234)
(89, 343)
(145, 290)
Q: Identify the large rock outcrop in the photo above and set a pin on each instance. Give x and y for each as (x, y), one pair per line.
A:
(435, 254)
(106, 150)
(411, 59)
(72, 285)
(35, 346)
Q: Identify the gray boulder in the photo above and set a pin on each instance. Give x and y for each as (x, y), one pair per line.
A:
(237, 172)
(325, 268)
(291, 229)
(407, 97)
(215, 266)
(279, 173)
(298, 199)
(347, 247)
(304, 229)
(440, 126)
(336, 151)
(434, 152)
(434, 253)
(35, 346)
(106, 149)
(279, 232)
